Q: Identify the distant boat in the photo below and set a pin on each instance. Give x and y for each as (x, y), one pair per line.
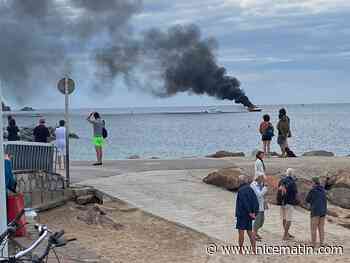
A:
(254, 109)
(212, 110)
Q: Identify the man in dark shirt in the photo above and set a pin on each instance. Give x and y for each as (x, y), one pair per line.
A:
(318, 206)
(247, 207)
(41, 132)
(289, 199)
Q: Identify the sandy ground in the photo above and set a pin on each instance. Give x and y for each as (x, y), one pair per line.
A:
(143, 238)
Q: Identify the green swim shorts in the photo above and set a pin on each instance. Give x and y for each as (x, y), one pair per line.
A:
(98, 141)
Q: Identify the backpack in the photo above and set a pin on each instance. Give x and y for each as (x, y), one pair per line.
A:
(104, 131)
(281, 195)
(269, 131)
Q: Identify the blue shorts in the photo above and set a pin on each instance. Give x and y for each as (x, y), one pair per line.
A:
(265, 138)
(244, 223)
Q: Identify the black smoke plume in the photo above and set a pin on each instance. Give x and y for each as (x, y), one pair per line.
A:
(188, 64)
(42, 40)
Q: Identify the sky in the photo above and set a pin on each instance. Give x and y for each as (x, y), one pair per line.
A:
(283, 52)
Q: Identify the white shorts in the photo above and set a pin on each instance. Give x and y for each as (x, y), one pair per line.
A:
(286, 212)
(61, 147)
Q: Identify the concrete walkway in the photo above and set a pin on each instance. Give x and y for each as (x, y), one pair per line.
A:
(180, 196)
(83, 170)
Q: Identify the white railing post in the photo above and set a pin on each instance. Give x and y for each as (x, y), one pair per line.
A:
(3, 208)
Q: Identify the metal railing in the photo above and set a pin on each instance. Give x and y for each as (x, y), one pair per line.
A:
(30, 156)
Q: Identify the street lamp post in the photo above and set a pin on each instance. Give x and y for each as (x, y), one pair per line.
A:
(66, 86)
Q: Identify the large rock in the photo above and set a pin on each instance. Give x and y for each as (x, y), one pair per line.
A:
(272, 186)
(134, 157)
(88, 199)
(340, 196)
(304, 186)
(319, 154)
(227, 178)
(27, 109)
(342, 179)
(273, 154)
(222, 154)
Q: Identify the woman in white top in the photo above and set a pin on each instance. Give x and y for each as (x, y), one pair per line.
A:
(259, 164)
(60, 133)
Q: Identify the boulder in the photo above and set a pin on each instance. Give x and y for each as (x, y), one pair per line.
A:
(273, 154)
(332, 212)
(27, 109)
(342, 179)
(227, 178)
(318, 154)
(73, 136)
(272, 186)
(340, 196)
(222, 154)
(134, 157)
(304, 186)
(88, 199)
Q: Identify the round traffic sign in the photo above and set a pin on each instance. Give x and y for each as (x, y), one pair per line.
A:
(66, 82)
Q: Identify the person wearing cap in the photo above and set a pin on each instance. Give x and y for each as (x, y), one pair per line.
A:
(318, 209)
(247, 207)
(260, 190)
(41, 132)
(288, 188)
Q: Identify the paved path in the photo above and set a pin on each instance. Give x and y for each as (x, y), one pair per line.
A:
(83, 170)
(180, 196)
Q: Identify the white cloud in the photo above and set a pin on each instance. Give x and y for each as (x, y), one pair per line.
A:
(278, 7)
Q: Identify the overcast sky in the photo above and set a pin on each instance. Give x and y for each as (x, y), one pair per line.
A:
(287, 51)
(283, 51)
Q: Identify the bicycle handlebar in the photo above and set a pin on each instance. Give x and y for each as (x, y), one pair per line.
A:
(12, 226)
(55, 240)
(44, 232)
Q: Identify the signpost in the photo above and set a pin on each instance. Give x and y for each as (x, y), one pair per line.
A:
(66, 86)
(3, 209)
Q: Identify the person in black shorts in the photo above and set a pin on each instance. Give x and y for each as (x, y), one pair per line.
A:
(267, 132)
(247, 207)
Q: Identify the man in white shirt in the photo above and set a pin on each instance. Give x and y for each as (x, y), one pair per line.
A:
(260, 190)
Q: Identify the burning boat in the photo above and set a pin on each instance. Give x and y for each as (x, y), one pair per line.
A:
(254, 109)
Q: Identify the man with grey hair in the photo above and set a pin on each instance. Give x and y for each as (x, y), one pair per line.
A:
(260, 189)
(247, 207)
(287, 199)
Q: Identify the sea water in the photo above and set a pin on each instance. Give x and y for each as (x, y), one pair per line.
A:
(177, 132)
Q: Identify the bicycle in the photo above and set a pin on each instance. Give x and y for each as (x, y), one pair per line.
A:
(11, 229)
(55, 240)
